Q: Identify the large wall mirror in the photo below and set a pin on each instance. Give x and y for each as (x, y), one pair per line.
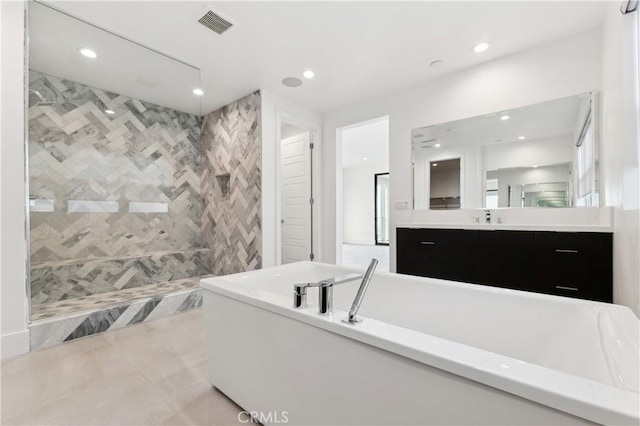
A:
(542, 155)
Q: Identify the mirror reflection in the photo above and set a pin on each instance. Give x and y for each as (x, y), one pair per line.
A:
(541, 155)
(444, 184)
(536, 186)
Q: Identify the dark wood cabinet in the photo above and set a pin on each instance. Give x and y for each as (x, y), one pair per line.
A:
(436, 253)
(504, 259)
(575, 264)
(561, 263)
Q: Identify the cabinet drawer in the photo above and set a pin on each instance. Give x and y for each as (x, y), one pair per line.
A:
(582, 290)
(437, 253)
(573, 265)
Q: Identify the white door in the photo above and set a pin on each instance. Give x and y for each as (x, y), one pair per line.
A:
(296, 195)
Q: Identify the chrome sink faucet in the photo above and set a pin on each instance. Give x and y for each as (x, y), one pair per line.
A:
(487, 216)
(325, 293)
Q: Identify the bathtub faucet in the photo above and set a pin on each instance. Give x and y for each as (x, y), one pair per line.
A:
(325, 292)
(366, 279)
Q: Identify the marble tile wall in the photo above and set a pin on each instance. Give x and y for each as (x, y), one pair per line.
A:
(231, 174)
(56, 281)
(142, 153)
(117, 201)
(130, 208)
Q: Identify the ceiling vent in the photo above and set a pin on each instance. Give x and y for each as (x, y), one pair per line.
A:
(214, 21)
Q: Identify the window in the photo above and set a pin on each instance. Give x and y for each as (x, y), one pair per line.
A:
(491, 201)
(586, 174)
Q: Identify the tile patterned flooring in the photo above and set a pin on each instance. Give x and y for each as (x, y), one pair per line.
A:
(153, 373)
(360, 255)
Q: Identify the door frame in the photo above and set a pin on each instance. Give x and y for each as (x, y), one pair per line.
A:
(375, 209)
(314, 138)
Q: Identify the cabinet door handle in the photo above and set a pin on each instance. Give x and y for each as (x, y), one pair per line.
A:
(566, 251)
(428, 243)
(561, 287)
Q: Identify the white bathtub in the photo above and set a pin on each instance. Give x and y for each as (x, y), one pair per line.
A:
(428, 352)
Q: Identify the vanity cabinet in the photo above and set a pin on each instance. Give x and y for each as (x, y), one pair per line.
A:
(437, 253)
(575, 264)
(504, 259)
(561, 263)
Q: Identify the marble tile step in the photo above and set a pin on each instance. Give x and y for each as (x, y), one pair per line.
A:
(62, 328)
(105, 300)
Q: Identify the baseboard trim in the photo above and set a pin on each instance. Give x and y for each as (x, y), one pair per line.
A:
(13, 344)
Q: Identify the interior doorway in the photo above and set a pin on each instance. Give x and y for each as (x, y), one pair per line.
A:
(362, 212)
(296, 189)
(381, 188)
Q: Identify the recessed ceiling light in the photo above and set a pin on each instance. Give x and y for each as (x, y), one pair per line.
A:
(292, 82)
(85, 51)
(109, 111)
(308, 74)
(504, 117)
(480, 47)
(437, 63)
(535, 166)
(437, 145)
(198, 92)
(434, 164)
(522, 137)
(364, 158)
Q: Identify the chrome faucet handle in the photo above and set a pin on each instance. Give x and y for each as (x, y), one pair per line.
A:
(300, 294)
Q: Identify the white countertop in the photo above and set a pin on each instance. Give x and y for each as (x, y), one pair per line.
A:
(508, 227)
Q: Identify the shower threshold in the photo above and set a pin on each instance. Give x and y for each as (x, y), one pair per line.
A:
(62, 321)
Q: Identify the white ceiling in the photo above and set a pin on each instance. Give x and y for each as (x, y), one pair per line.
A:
(358, 50)
(366, 143)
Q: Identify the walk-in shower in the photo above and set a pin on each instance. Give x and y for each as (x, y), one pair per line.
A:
(114, 169)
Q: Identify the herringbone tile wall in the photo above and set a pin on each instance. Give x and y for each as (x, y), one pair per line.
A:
(205, 174)
(231, 174)
(142, 153)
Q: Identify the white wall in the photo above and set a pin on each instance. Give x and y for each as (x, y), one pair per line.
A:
(562, 68)
(620, 151)
(13, 299)
(274, 109)
(358, 202)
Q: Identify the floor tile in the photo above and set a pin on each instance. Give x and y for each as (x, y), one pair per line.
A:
(359, 255)
(147, 374)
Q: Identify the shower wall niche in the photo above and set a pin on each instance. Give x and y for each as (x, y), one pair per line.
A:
(134, 193)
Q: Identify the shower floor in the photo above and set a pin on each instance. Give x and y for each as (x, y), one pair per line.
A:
(103, 300)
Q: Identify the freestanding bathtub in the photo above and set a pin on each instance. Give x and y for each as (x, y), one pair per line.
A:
(428, 352)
